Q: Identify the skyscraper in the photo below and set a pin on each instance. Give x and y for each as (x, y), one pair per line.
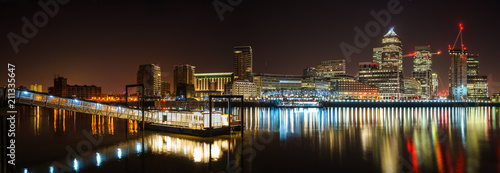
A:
(422, 69)
(435, 84)
(477, 86)
(150, 76)
(184, 74)
(386, 70)
(392, 51)
(472, 65)
(377, 55)
(458, 74)
(243, 65)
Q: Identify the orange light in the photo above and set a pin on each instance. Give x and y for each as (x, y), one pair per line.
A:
(439, 52)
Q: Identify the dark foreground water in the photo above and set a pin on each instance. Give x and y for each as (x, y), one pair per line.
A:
(275, 140)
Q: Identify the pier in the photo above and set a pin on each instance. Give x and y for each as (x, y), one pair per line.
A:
(198, 123)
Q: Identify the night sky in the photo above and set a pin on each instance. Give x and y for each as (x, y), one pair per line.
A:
(102, 42)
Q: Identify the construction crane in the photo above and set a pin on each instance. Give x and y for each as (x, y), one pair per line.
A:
(463, 48)
(415, 53)
(428, 65)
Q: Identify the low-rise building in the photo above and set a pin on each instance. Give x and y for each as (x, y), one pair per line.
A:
(36, 88)
(61, 88)
(297, 86)
(241, 87)
(412, 90)
(211, 83)
(327, 68)
(351, 89)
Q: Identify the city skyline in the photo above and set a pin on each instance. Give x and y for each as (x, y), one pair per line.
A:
(286, 51)
(250, 86)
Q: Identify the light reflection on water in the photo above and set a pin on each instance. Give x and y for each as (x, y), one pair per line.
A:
(428, 139)
(395, 139)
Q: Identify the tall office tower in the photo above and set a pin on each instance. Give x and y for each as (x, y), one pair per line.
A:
(184, 74)
(243, 63)
(472, 65)
(422, 69)
(377, 55)
(150, 76)
(434, 85)
(392, 51)
(458, 74)
(477, 86)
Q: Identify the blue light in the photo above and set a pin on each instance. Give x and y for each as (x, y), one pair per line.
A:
(76, 100)
(75, 164)
(138, 147)
(98, 159)
(25, 92)
(25, 169)
(51, 169)
(119, 153)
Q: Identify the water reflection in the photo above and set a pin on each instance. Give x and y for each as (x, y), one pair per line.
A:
(410, 139)
(60, 120)
(427, 139)
(194, 150)
(199, 151)
(132, 127)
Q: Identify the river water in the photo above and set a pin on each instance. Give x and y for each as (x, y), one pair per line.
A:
(427, 139)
